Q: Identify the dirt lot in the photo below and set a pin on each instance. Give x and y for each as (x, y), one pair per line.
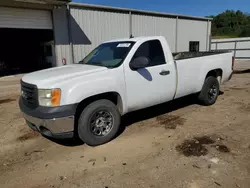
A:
(178, 144)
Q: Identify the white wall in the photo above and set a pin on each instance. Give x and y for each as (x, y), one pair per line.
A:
(62, 44)
(192, 30)
(144, 25)
(91, 27)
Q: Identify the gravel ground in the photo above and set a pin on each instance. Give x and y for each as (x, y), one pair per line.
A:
(176, 145)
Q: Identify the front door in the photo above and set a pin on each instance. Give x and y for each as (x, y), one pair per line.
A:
(154, 84)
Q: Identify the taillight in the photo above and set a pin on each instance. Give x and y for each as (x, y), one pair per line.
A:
(232, 62)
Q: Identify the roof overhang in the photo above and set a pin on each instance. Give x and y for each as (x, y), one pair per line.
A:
(34, 4)
(139, 11)
(50, 2)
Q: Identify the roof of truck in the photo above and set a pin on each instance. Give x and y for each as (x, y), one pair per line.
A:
(135, 39)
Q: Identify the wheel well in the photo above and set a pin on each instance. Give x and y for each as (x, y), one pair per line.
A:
(112, 96)
(217, 73)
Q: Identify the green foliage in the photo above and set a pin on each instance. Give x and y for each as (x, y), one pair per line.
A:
(231, 23)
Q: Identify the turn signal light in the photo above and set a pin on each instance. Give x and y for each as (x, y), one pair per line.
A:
(55, 97)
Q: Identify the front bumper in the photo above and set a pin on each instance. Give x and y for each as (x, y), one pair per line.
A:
(55, 128)
(55, 122)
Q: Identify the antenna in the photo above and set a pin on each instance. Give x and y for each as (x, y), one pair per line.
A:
(131, 36)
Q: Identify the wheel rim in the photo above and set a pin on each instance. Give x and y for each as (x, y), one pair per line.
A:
(212, 92)
(101, 123)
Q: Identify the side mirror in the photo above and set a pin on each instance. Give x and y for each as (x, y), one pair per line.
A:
(139, 62)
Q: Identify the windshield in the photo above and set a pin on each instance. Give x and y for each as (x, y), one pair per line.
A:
(108, 54)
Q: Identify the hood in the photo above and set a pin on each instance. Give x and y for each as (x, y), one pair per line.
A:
(53, 76)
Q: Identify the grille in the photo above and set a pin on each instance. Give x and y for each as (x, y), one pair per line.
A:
(29, 94)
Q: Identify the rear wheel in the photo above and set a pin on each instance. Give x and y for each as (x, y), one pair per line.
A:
(99, 122)
(210, 91)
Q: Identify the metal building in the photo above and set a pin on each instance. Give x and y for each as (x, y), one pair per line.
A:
(44, 33)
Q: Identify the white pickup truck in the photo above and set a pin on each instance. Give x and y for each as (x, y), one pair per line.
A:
(88, 99)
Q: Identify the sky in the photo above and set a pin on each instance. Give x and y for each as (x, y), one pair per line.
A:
(186, 7)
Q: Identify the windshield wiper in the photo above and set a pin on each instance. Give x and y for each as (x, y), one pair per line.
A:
(101, 64)
(95, 64)
(98, 64)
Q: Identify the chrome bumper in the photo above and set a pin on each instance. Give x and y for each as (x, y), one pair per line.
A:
(50, 127)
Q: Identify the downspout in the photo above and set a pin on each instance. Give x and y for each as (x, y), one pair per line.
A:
(70, 34)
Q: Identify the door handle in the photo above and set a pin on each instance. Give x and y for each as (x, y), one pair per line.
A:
(164, 72)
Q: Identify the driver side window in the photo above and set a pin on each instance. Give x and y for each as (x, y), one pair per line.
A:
(153, 51)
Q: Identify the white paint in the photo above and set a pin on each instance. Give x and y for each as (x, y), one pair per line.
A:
(146, 87)
(137, 89)
(192, 72)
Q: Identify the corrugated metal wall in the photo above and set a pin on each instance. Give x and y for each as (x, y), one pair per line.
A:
(25, 18)
(62, 40)
(145, 25)
(91, 27)
(192, 30)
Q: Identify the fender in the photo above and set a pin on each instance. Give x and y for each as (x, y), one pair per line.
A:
(78, 90)
(217, 62)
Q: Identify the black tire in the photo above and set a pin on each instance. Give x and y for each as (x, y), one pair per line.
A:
(206, 97)
(85, 132)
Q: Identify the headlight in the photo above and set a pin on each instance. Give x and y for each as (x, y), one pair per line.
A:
(49, 97)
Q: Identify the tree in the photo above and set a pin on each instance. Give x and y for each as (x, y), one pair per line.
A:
(231, 23)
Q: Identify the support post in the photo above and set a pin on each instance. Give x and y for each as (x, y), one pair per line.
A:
(130, 25)
(176, 34)
(210, 43)
(207, 37)
(70, 35)
(235, 47)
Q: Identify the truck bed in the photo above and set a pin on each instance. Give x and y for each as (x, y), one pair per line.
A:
(192, 68)
(188, 55)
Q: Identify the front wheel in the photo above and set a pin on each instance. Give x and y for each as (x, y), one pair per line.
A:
(210, 91)
(99, 123)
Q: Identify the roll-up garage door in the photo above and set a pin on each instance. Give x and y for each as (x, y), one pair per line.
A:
(25, 18)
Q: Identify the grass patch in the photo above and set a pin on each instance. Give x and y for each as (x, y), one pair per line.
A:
(224, 37)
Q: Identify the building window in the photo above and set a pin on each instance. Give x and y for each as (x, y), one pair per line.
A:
(194, 46)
